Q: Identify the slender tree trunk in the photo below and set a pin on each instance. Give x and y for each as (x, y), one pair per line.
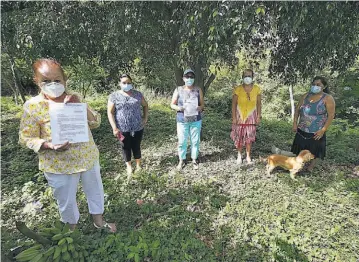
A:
(22, 93)
(208, 83)
(291, 100)
(84, 90)
(19, 90)
(14, 91)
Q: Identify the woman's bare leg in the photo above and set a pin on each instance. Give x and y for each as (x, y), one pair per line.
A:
(248, 152)
(312, 164)
(239, 157)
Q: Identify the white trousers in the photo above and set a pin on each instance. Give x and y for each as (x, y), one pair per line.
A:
(65, 187)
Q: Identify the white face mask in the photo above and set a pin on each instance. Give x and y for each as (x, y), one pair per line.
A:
(53, 89)
(247, 80)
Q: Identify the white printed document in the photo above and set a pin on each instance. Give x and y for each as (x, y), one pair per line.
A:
(68, 123)
(190, 106)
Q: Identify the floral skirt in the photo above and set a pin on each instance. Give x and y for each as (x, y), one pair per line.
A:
(245, 132)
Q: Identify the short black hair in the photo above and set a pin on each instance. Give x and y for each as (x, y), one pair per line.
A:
(126, 75)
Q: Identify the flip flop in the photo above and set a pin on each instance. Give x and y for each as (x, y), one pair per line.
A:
(106, 226)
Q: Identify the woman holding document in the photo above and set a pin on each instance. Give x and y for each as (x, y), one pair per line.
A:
(66, 163)
(188, 101)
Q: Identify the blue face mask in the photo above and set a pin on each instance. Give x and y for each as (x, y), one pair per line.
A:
(189, 81)
(126, 87)
(315, 89)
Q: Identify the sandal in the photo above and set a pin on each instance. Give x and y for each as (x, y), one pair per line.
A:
(107, 226)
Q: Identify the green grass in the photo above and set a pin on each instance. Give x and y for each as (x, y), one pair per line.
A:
(220, 213)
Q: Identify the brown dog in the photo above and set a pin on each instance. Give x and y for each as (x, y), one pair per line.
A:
(293, 164)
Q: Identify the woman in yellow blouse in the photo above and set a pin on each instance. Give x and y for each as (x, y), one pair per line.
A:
(246, 114)
(63, 165)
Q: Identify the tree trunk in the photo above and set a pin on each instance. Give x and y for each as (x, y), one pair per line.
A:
(19, 90)
(199, 73)
(31, 234)
(178, 75)
(14, 91)
(291, 100)
(84, 90)
(208, 83)
(22, 94)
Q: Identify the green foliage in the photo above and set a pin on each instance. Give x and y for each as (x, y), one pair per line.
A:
(221, 213)
(347, 94)
(308, 36)
(181, 34)
(85, 76)
(66, 246)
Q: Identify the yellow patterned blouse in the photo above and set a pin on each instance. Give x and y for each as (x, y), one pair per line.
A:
(247, 103)
(35, 130)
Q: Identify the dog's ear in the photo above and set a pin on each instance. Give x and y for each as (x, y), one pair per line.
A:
(309, 156)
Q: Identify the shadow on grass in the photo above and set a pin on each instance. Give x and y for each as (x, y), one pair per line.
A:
(288, 252)
(18, 164)
(180, 215)
(352, 185)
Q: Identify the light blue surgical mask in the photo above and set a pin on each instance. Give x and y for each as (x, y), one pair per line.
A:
(315, 89)
(248, 80)
(189, 81)
(126, 87)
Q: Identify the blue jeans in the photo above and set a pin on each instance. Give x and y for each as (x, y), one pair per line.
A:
(193, 131)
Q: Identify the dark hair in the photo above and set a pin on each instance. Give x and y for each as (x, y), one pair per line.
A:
(249, 70)
(324, 82)
(126, 75)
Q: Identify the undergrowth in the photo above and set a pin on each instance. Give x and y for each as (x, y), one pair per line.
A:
(223, 212)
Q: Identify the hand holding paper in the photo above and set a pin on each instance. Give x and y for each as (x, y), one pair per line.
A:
(68, 123)
(190, 106)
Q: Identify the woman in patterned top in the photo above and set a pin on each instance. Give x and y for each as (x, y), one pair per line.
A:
(63, 165)
(124, 114)
(315, 111)
(246, 114)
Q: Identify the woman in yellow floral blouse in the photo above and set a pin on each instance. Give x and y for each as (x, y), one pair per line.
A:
(63, 165)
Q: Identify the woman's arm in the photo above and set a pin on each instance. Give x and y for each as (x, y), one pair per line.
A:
(111, 117)
(234, 108)
(259, 108)
(296, 113)
(29, 134)
(330, 105)
(145, 110)
(174, 105)
(93, 118)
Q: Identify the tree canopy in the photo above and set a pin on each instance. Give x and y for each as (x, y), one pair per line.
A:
(302, 37)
